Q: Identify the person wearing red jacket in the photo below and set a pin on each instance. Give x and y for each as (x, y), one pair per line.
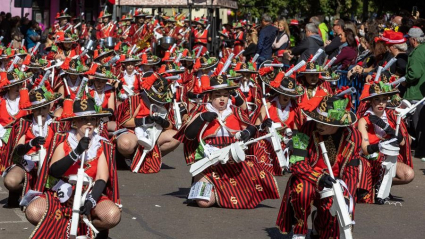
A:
(200, 34)
(331, 123)
(107, 28)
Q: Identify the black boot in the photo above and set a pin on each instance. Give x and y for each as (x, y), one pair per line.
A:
(103, 234)
(13, 200)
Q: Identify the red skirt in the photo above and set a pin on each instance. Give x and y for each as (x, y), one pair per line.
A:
(240, 185)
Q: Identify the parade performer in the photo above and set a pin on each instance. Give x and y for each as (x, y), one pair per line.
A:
(331, 123)
(65, 45)
(249, 89)
(72, 72)
(11, 107)
(282, 108)
(239, 38)
(135, 118)
(378, 125)
(124, 30)
(53, 208)
(63, 21)
(107, 28)
(234, 185)
(103, 92)
(129, 83)
(200, 36)
(312, 83)
(22, 175)
(139, 28)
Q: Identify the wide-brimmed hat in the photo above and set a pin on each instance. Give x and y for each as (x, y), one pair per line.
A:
(312, 68)
(74, 66)
(37, 63)
(127, 17)
(156, 87)
(105, 13)
(233, 75)
(39, 97)
(329, 109)
(329, 75)
(85, 107)
(206, 62)
(170, 68)
(13, 77)
(169, 56)
(62, 14)
(188, 56)
(66, 37)
(139, 13)
(102, 72)
(243, 67)
(391, 37)
(122, 48)
(373, 89)
(394, 101)
(150, 60)
(103, 52)
(238, 25)
(201, 21)
(130, 59)
(215, 83)
(268, 74)
(283, 85)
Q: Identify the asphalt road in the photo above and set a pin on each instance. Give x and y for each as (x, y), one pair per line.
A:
(155, 206)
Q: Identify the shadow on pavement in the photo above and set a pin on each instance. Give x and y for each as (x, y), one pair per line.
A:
(181, 193)
(164, 166)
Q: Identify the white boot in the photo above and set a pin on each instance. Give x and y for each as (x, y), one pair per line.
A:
(423, 159)
(298, 236)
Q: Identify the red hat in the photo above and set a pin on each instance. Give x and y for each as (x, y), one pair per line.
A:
(294, 22)
(396, 38)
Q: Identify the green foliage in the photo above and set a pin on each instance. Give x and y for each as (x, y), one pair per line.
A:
(306, 8)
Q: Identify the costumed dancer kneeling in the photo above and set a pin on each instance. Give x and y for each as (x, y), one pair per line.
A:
(54, 208)
(332, 124)
(240, 183)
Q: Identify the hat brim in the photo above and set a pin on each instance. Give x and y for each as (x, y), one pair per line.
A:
(100, 77)
(331, 122)
(104, 54)
(155, 97)
(131, 61)
(33, 66)
(390, 93)
(221, 88)
(56, 97)
(236, 77)
(208, 66)
(29, 75)
(97, 115)
(312, 72)
(187, 59)
(246, 71)
(64, 16)
(270, 77)
(173, 72)
(72, 40)
(151, 62)
(72, 72)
